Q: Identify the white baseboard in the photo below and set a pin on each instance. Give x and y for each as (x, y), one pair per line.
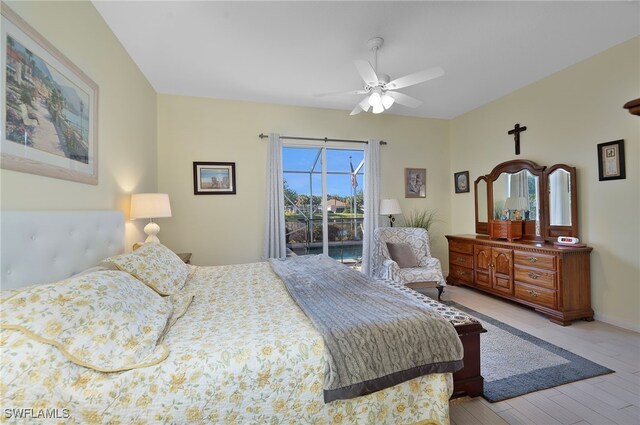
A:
(617, 322)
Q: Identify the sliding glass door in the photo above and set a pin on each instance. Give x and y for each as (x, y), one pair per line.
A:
(324, 204)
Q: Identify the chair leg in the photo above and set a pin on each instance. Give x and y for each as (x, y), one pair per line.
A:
(440, 291)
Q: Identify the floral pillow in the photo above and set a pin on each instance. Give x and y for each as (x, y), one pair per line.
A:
(106, 320)
(180, 302)
(155, 265)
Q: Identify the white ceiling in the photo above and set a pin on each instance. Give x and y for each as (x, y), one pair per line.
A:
(285, 52)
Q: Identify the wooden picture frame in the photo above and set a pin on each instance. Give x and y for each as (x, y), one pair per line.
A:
(214, 178)
(461, 182)
(611, 163)
(50, 107)
(415, 182)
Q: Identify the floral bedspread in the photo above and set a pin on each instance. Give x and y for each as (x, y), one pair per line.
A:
(243, 353)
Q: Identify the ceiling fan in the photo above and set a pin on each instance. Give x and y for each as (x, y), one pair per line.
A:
(380, 89)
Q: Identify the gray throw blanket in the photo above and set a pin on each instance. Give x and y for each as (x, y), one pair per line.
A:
(375, 336)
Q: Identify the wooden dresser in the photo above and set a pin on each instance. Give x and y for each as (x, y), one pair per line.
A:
(556, 281)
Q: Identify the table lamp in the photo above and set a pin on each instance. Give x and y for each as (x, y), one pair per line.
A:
(516, 203)
(150, 205)
(390, 207)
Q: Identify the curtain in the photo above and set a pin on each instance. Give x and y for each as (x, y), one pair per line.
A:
(519, 185)
(559, 196)
(274, 241)
(371, 201)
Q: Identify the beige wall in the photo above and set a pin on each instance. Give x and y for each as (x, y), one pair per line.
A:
(567, 115)
(127, 117)
(229, 229)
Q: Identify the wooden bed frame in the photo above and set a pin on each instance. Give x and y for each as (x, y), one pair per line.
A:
(468, 381)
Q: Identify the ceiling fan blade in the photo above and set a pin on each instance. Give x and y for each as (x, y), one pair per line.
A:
(405, 100)
(356, 110)
(338, 93)
(367, 72)
(415, 78)
(363, 106)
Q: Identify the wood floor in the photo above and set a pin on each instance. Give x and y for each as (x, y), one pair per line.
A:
(607, 399)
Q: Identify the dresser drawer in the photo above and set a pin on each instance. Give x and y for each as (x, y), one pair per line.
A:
(535, 295)
(537, 277)
(540, 261)
(462, 247)
(461, 259)
(461, 274)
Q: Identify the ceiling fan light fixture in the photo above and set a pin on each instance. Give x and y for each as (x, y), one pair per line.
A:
(378, 108)
(375, 99)
(387, 101)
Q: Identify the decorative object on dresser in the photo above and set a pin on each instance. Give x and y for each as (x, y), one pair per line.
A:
(389, 207)
(50, 106)
(611, 164)
(461, 181)
(150, 205)
(214, 178)
(527, 268)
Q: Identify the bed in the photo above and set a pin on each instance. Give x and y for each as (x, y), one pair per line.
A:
(239, 349)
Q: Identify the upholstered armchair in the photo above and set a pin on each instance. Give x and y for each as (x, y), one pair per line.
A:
(413, 261)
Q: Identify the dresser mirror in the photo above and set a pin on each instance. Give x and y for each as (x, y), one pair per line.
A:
(561, 198)
(515, 194)
(482, 205)
(543, 198)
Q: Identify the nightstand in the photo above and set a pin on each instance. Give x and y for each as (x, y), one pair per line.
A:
(185, 256)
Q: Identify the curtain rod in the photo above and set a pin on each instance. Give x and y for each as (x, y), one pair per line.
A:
(318, 139)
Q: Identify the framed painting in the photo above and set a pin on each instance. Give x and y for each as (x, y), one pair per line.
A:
(415, 182)
(611, 160)
(50, 107)
(461, 181)
(214, 178)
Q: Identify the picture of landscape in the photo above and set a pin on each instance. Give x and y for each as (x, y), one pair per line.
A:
(44, 109)
(215, 178)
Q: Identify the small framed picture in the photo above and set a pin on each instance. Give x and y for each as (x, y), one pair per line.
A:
(611, 160)
(214, 178)
(461, 181)
(415, 182)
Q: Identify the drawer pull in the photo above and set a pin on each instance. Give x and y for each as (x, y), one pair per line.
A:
(461, 273)
(533, 275)
(460, 259)
(532, 259)
(532, 293)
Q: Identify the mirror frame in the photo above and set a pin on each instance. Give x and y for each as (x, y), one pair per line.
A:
(547, 231)
(552, 232)
(482, 227)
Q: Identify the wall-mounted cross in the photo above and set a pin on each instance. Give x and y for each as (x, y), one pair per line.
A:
(516, 136)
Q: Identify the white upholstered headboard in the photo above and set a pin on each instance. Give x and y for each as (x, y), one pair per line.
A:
(46, 246)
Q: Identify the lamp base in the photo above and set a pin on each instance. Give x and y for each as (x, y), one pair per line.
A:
(391, 220)
(152, 229)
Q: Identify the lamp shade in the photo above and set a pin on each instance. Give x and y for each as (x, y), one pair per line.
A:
(390, 207)
(150, 205)
(516, 203)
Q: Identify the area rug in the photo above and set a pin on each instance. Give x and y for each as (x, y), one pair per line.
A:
(514, 362)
